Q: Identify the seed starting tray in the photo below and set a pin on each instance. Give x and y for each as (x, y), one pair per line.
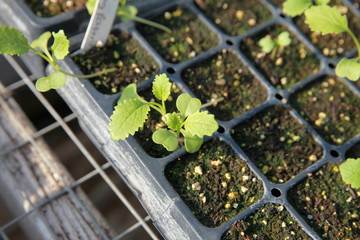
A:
(145, 174)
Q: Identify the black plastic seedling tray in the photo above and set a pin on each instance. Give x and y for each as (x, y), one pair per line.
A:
(145, 174)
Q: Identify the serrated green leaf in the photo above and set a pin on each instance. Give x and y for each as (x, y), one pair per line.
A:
(187, 105)
(54, 81)
(294, 8)
(350, 172)
(326, 19)
(127, 118)
(200, 124)
(12, 41)
(129, 93)
(161, 87)
(284, 39)
(266, 44)
(166, 138)
(322, 2)
(41, 42)
(90, 6)
(60, 47)
(127, 13)
(173, 121)
(192, 143)
(349, 68)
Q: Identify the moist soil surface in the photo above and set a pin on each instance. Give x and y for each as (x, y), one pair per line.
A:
(331, 45)
(214, 183)
(132, 62)
(271, 221)
(277, 143)
(329, 206)
(49, 8)
(331, 108)
(288, 65)
(144, 135)
(188, 38)
(235, 17)
(223, 75)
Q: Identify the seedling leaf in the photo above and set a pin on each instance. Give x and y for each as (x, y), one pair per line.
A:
(296, 7)
(349, 68)
(166, 138)
(90, 6)
(192, 143)
(200, 124)
(53, 81)
(161, 87)
(60, 47)
(12, 41)
(350, 172)
(326, 19)
(322, 2)
(187, 105)
(129, 93)
(284, 39)
(127, 13)
(41, 42)
(173, 121)
(127, 118)
(266, 44)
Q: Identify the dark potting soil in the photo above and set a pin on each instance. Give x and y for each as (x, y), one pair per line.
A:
(188, 38)
(329, 206)
(122, 52)
(49, 8)
(277, 143)
(354, 151)
(331, 108)
(144, 135)
(290, 64)
(331, 45)
(214, 182)
(235, 17)
(223, 75)
(271, 221)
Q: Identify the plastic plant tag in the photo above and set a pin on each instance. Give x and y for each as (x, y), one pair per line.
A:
(100, 24)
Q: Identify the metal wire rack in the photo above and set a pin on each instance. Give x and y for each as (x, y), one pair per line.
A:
(111, 208)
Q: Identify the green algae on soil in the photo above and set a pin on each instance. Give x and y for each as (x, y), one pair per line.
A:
(235, 17)
(329, 206)
(214, 183)
(188, 38)
(277, 143)
(223, 75)
(122, 52)
(331, 108)
(271, 221)
(290, 64)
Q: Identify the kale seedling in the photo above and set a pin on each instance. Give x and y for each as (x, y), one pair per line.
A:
(13, 42)
(127, 13)
(350, 172)
(269, 45)
(189, 125)
(295, 8)
(326, 19)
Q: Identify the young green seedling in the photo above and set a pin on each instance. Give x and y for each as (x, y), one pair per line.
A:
(189, 125)
(295, 8)
(327, 20)
(269, 45)
(13, 42)
(128, 13)
(350, 172)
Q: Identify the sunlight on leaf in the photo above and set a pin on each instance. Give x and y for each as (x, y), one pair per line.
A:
(166, 138)
(53, 81)
(349, 68)
(60, 47)
(284, 39)
(294, 8)
(161, 87)
(187, 105)
(41, 42)
(127, 13)
(350, 172)
(192, 143)
(12, 41)
(200, 124)
(266, 44)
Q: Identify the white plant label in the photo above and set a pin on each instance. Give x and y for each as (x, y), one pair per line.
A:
(100, 24)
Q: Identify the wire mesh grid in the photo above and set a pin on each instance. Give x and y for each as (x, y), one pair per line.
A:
(87, 166)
